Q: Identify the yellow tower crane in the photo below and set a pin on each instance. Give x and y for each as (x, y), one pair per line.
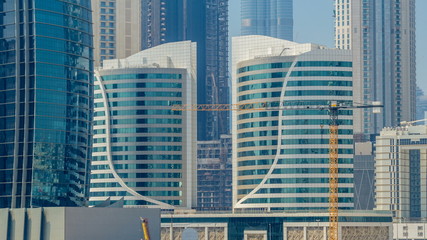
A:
(333, 109)
(144, 228)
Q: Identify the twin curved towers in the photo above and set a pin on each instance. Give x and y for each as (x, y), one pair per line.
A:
(143, 151)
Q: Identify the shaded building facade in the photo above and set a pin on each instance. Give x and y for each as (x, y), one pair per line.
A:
(364, 176)
(70, 223)
(214, 174)
(206, 23)
(46, 84)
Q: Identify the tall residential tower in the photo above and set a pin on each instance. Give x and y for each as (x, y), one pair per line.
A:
(281, 157)
(272, 18)
(144, 151)
(46, 84)
(206, 23)
(116, 28)
(381, 35)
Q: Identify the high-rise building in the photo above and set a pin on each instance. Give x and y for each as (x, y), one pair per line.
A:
(400, 178)
(117, 28)
(144, 151)
(46, 83)
(381, 35)
(281, 158)
(162, 22)
(421, 104)
(206, 23)
(272, 18)
(214, 174)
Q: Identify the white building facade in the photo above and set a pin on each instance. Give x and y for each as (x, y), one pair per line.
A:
(401, 172)
(354, 225)
(117, 29)
(144, 151)
(410, 230)
(281, 158)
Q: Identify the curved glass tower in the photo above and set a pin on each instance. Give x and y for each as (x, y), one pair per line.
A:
(281, 158)
(144, 151)
(272, 18)
(46, 78)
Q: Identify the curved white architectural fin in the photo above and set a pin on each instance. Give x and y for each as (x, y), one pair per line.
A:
(109, 156)
(279, 138)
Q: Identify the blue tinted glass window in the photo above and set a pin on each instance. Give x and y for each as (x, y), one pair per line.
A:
(258, 95)
(315, 122)
(264, 66)
(321, 74)
(262, 76)
(140, 94)
(142, 85)
(319, 83)
(318, 93)
(260, 86)
(142, 76)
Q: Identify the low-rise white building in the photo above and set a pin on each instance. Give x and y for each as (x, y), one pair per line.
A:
(354, 225)
(409, 230)
(401, 171)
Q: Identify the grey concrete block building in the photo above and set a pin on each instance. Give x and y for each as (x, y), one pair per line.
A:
(65, 223)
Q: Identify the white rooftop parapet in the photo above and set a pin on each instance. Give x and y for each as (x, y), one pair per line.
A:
(404, 130)
(170, 55)
(256, 46)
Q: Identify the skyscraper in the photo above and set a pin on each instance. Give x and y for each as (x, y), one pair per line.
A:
(281, 158)
(272, 18)
(400, 179)
(144, 151)
(206, 23)
(163, 22)
(46, 78)
(381, 35)
(117, 28)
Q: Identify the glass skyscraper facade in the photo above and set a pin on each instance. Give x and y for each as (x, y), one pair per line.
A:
(272, 18)
(46, 78)
(144, 151)
(206, 23)
(281, 157)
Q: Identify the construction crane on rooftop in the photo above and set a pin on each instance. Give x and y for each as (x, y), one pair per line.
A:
(332, 108)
